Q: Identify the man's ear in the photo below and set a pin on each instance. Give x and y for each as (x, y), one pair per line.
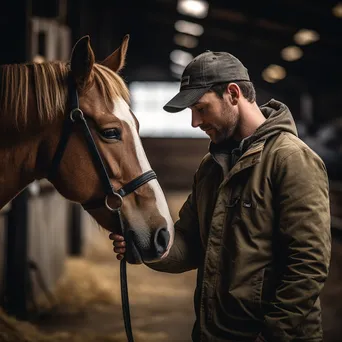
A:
(116, 60)
(234, 92)
(82, 61)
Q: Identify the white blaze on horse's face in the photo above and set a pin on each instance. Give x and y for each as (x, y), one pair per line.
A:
(135, 216)
(122, 112)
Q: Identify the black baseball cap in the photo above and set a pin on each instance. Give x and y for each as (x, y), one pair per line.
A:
(202, 73)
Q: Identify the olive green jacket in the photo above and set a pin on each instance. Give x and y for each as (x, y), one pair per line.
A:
(257, 227)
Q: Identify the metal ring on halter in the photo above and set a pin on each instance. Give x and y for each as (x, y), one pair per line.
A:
(110, 208)
(74, 111)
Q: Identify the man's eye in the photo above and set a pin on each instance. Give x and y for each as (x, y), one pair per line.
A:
(112, 133)
(200, 110)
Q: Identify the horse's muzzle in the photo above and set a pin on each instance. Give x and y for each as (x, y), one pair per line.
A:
(137, 251)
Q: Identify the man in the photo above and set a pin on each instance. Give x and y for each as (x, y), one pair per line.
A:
(257, 223)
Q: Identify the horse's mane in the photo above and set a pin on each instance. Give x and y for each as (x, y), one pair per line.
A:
(49, 85)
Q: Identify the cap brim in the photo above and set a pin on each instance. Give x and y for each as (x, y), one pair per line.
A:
(185, 98)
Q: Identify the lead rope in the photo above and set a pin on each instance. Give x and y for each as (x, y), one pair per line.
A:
(124, 290)
(77, 115)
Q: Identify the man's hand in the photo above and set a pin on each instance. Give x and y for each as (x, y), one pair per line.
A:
(119, 245)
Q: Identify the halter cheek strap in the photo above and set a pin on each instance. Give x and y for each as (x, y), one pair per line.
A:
(76, 116)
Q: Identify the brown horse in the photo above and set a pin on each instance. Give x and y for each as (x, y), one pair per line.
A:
(34, 105)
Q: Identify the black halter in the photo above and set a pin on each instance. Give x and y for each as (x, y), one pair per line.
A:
(76, 116)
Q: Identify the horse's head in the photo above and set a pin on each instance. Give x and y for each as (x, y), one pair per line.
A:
(104, 100)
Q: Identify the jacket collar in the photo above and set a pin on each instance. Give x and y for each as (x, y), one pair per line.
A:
(250, 158)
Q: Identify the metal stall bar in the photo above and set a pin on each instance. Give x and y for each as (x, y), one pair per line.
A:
(15, 33)
(75, 230)
(16, 271)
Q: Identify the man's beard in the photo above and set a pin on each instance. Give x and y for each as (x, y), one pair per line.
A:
(229, 129)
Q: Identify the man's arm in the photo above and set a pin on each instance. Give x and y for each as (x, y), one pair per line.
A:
(304, 235)
(186, 251)
(185, 254)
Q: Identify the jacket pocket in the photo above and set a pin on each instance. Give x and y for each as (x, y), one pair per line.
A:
(257, 283)
(267, 289)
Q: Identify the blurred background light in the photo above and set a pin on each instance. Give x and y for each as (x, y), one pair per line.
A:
(184, 26)
(193, 8)
(273, 73)
(337, 10)
(185, 40)
(305, 37)
(176, 68)
(291, 53)
(181, 57)
(153, 120)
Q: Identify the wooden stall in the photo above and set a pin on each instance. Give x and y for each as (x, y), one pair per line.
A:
(34, 244)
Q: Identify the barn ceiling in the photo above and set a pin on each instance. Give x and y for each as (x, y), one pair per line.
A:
(254, 31)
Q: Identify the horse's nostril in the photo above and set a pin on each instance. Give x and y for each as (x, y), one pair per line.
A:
(149, 247)
(161, 240)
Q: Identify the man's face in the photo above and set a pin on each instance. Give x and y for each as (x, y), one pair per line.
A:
(215, 116)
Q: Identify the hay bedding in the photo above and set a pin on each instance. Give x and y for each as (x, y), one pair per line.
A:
(89, 304)
(12, 330)
(89, 309)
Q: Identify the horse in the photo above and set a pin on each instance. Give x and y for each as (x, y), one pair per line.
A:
(71, 123)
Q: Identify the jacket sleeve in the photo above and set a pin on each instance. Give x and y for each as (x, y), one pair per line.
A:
(185, 252)
(305, 239)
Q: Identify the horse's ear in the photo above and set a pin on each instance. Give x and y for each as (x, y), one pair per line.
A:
(82, 61)
(116, 60)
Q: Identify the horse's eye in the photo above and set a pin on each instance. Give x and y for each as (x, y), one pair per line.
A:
(111, 133)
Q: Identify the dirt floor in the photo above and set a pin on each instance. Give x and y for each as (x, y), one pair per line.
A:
(89, 304)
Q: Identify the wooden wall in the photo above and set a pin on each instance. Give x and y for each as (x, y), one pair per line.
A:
(47, 238)
(2, 249)
(175, 161)
(46, 244)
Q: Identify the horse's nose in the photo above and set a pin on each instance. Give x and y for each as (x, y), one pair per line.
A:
(161, 241)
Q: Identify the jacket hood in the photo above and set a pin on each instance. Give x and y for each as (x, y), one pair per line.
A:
(278, 119)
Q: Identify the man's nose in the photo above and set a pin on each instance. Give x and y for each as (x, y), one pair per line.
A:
(195, 120)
